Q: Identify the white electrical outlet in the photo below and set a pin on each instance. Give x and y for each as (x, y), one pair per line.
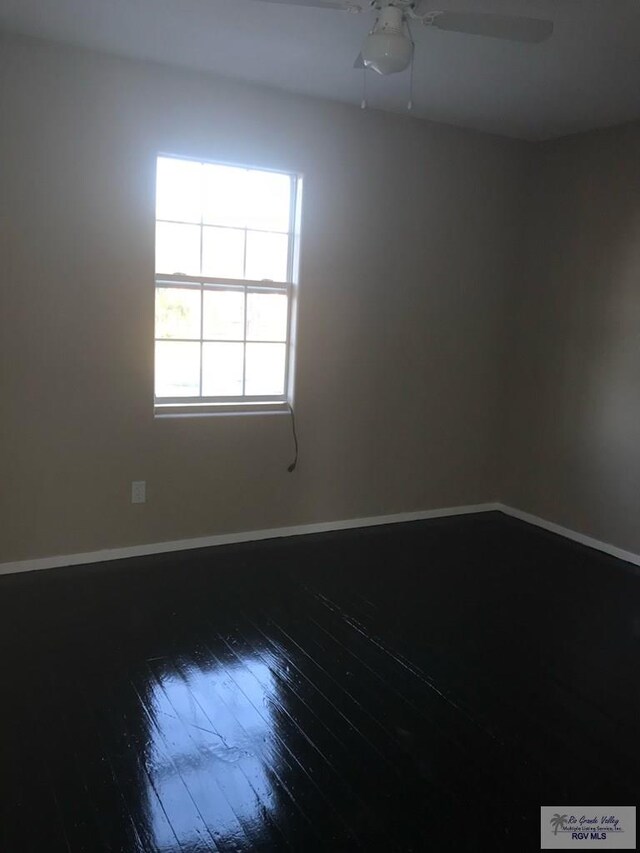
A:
(138, 492)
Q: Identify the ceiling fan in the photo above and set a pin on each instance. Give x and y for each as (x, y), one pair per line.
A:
(388, 48)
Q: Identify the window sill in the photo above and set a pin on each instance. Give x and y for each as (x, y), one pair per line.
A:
(195, 410)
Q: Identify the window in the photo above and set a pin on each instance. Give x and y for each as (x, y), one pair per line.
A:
(225, 253)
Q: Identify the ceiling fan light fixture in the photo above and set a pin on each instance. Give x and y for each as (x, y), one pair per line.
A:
(388, 49)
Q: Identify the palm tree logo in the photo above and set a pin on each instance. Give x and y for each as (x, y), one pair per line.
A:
(557, 821)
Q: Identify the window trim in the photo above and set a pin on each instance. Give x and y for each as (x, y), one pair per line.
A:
(246, 404)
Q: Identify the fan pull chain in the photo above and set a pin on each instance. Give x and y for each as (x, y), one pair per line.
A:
(363, 104)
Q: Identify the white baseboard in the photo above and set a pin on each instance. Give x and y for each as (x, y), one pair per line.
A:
(233, 538)
(303, 529)
(583, 539)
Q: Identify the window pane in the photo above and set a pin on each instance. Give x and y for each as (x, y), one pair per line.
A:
(177, 313)
(266, 317)
(224, 315)
(269, 201)
(222, 370)
(265, 369)
(222, 252)
(178, 190)
(177, 369)
(224, 201)
(177, 249)
(267, 256)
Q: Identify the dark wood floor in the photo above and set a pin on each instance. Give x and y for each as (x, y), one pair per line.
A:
(414, 687)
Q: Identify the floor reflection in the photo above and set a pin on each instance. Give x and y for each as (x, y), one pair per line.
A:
(210, 758)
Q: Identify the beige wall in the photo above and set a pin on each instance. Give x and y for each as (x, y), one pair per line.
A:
(409, 231)
(573, 402)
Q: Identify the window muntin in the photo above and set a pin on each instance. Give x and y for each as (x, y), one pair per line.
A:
(224, 272)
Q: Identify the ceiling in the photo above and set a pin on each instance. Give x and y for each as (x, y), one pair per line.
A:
(587, 75)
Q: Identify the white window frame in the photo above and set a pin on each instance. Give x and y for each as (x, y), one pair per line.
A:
(239, 404)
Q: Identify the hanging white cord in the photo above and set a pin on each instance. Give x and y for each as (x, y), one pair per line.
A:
(363, 104)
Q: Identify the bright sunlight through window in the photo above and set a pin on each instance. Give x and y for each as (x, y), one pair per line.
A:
(225, 253)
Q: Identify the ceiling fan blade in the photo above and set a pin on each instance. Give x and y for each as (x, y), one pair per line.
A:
(336, 5)
(359, 63)
(529, 30)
